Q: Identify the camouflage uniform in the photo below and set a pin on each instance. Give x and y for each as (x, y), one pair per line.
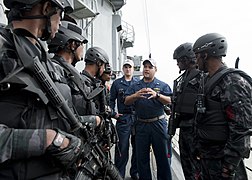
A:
(223, 130)
(186, 97)
(185, 90)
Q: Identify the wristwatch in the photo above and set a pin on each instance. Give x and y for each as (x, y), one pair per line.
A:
(58, 140)
(157, 95)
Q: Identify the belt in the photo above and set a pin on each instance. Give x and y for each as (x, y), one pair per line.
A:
(151, 119)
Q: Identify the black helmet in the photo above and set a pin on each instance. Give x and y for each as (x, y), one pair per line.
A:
(184, 50)
(95, 54)
(213, 44)
(67, 31)
(9, 3)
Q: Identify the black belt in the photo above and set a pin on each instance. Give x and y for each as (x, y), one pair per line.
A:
(151, 119)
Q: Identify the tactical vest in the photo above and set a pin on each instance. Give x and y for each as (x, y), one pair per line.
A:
(186, 99)
(90, 85)
(213, 126)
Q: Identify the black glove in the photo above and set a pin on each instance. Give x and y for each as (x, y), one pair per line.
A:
(68, 155)
(228, 172)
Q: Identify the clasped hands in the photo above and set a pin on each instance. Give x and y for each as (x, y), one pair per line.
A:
(146, 93)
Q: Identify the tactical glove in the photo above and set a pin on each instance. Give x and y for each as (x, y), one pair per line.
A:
(228, 172)
(68, 155)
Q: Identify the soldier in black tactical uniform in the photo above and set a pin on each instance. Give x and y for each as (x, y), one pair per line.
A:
(224, 113)
(34, 141)
(95, 60)
(185, 95)
(68, 46)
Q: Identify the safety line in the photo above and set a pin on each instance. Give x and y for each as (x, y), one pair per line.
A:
(146, 20)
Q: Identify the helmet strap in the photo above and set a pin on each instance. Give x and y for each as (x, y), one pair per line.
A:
(48, 28)
(47, 31)
(98, 64)
(72, 47)
(204, 57)
(75, 60)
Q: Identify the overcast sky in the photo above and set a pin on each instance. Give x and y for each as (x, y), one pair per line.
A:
(173, 22)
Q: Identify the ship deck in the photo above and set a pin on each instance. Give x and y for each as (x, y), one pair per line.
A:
(177, 173)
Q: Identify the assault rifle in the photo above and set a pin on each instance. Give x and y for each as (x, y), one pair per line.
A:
(108, 135)
(173, 120)
(95, 163)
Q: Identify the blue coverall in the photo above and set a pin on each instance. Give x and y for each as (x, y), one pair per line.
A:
(124, 126)
(151, 133)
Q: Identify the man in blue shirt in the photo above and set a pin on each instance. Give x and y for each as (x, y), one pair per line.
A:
(149, 96)
(125, 120)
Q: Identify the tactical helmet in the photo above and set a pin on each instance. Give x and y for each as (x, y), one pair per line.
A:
(95, 54)
(67, 31)
(10, 3)
(184, 50)
(213, 44)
